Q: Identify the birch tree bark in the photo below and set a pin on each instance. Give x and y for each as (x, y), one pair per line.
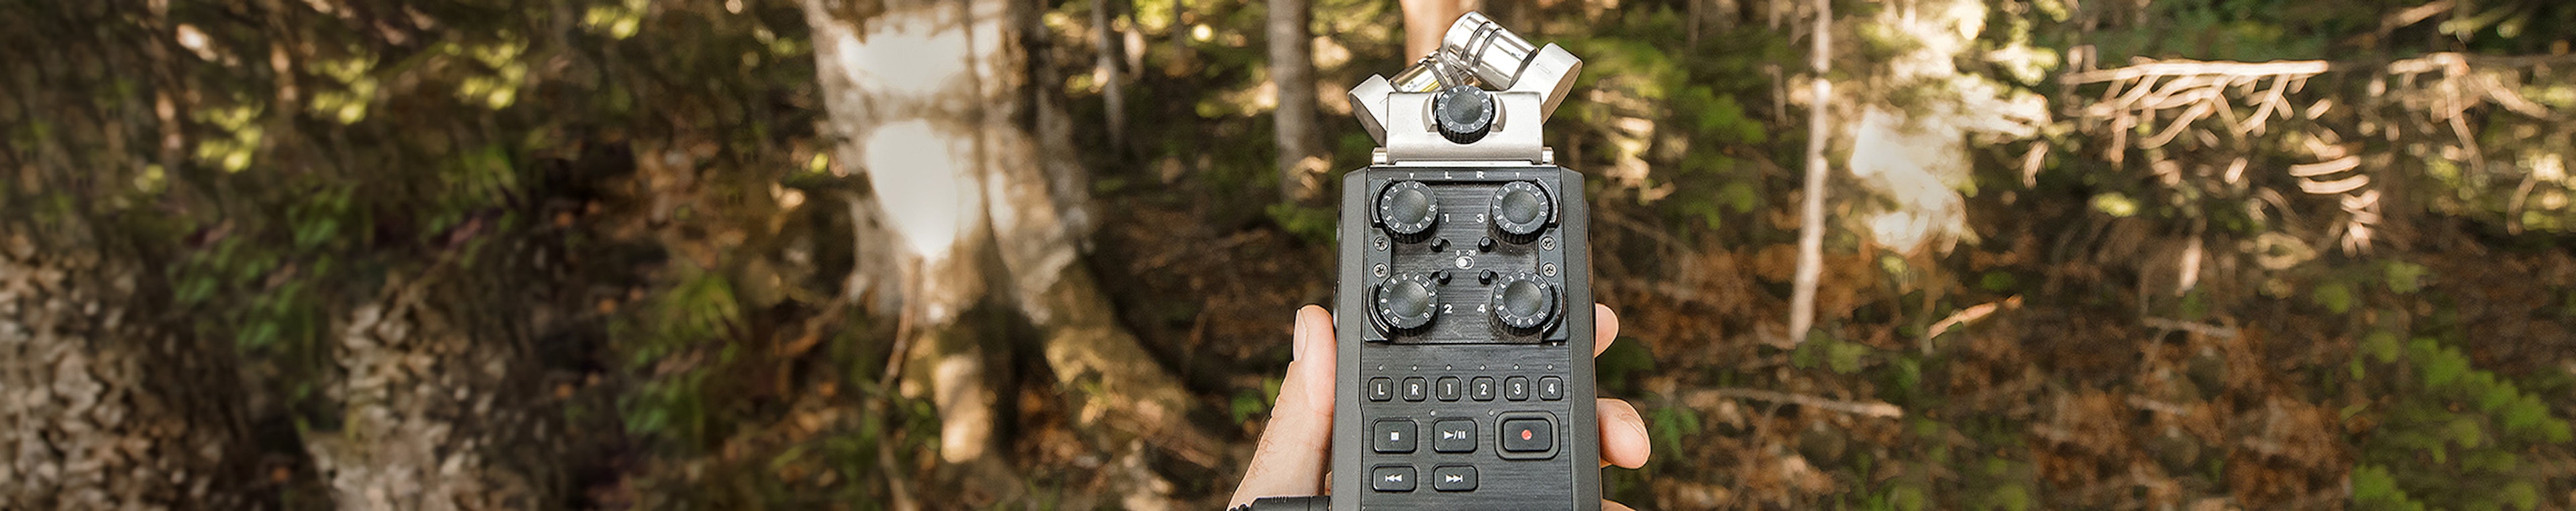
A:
(934, 100)
(1811, 217)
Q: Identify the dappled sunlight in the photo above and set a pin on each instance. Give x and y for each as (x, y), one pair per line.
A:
(1918, 169)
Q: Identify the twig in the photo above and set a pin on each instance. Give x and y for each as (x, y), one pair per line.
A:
(2196, 67)
(1966, 315)
(2222, 332)
(1709, 398)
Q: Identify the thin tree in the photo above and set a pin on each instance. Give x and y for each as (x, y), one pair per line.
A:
(1292, 73)
(1811, 219)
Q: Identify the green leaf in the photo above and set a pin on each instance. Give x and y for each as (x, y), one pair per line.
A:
(2521, 495)
(1845, 358)
(2381, 345)
(2466, 432)
(2404, 277)
(1996, 281)
(2335, 297)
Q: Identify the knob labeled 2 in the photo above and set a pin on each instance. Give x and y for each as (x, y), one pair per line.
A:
(1407, 302)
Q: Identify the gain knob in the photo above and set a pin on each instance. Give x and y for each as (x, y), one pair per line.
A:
(1407, 301)
(1465, 113)
(1523, 303)
(1520, 211)
(1407, 209)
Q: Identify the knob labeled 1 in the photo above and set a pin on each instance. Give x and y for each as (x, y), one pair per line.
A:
(1408, 209)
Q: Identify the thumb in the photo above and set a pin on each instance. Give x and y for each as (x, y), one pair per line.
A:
(1295, 445)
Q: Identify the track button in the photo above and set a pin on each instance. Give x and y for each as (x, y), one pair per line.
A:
(1453, 478)
(1381, 389)
(1392, 478)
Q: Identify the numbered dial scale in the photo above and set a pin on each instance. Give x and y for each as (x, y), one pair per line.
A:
(1467, 290)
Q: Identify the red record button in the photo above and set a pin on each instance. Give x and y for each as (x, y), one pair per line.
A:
(1528, 435)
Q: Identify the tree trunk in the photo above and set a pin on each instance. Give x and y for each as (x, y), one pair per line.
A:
(1425, 21)
(435, 385)
(104, 403)
(913, 136)
(1292, 73)
(969, 188)
(1104, 66)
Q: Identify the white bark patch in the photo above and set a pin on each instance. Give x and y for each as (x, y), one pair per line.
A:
(917, 54)
(965, 411)
(928, 200)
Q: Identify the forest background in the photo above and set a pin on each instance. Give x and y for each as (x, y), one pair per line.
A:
(521, 254)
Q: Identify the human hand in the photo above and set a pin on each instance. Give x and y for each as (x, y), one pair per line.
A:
(1296, 447)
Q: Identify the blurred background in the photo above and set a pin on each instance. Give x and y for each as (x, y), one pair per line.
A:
(1008, 254)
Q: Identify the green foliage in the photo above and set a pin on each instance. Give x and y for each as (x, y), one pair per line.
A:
(1314, 224)
(676, 343)
(2453, 434)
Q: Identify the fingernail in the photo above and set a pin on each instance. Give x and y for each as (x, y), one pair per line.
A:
(1297, 336)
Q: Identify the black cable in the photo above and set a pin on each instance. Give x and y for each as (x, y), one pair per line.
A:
(1313, 503)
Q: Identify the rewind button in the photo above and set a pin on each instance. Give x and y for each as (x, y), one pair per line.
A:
(1394, 478)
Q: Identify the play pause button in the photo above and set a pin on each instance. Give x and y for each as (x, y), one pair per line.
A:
(1454, 435)
(1391, 478)
(1453, 478)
